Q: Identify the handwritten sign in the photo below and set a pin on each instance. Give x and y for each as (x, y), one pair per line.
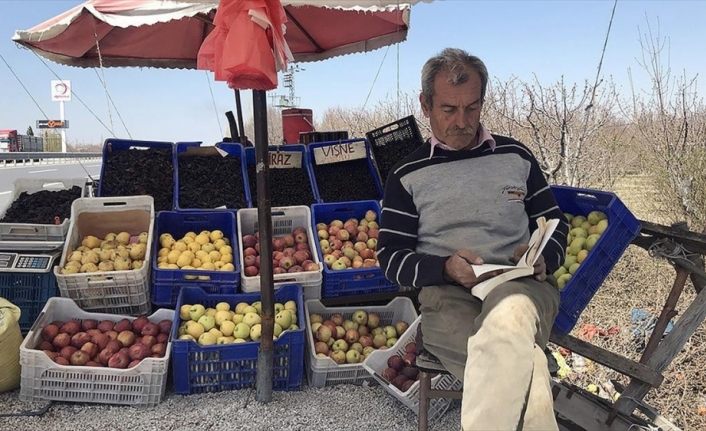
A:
(285, 159)
(339, 153)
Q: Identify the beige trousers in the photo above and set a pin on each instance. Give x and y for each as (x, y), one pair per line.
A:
(496, 348)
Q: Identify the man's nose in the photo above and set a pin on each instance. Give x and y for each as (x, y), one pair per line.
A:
(460, 120)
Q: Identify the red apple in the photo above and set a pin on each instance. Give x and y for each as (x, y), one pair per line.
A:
(61, 340)
(250, 251)
(140, 323)
(151, 329)
(71, 327)
(87, 324)
(118, 360)
(106, 325)
(165, 326)
(79, 339)
(49, 332)
(123, 325)
(126, 338)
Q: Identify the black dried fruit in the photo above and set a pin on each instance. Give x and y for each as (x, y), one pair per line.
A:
(140, 172)
(345, 181)
(42, 207)
(289, 186)
(210, 182)
(387, 156)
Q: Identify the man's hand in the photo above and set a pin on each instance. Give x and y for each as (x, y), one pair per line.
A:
(458, 268)
(540, 268)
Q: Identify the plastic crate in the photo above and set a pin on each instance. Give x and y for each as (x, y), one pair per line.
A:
(113, 145)
(166, 283)
(348, 282)
(324, 371)
(376, 363)
(227, 367)
(29, 291)
(306, 164)
(623, 227)
(51, 235)
(119, 292)
(371, 168)
(284, 220)
(43, 379)
(396, 133)
(310, 137)
(229, 149)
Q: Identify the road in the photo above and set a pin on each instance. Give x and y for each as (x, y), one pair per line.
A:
(8, 175)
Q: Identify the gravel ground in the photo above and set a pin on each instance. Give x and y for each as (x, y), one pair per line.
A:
(343, 407)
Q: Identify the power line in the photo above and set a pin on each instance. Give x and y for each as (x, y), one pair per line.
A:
(110, 99)
(600, 62)
(25, 88)
(215, 109)
(376, 76)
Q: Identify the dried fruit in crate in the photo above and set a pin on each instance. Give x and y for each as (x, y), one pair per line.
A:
(232, 323)
(42, 207)
(140, 172)
(345, 181)
(207, 250)
(210, 182)
(288, 187)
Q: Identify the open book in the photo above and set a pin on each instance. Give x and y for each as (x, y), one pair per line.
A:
(525, 266)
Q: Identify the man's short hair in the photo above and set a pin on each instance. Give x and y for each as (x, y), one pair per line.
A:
(458, 63)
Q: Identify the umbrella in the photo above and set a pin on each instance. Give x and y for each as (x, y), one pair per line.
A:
(175, 34)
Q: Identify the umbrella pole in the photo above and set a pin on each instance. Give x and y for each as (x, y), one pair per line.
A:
(264, 219)
(239, 111)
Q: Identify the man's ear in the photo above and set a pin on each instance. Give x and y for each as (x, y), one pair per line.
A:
(425, 107)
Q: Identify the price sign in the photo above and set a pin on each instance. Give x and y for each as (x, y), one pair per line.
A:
(285, 159)
(339, 153)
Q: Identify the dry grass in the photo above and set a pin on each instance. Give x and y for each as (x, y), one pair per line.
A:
(641, 281)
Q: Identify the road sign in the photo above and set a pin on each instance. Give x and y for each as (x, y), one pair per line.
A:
(52, 124)
(60, 91)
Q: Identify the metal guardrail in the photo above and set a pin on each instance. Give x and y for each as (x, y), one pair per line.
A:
(28, 159)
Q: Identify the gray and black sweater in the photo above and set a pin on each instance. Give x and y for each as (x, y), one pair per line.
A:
(483, 200)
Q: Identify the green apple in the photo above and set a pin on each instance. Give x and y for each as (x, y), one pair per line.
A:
(277, 329)
(251, 319)
(582, 254)
(368, 350)
(338, 357)
(563, 280)
(373, 320)
(568, 217)
(338, 265)
(391, 342)
(586, 225)
(291, 306)
(602, 226)
(377, 331)
(240, 307)
(258, 306)
(360, 317)
(239, 340)
(221, 316)
(352, 356)
(573, 268)
(379, 340)
(194, 329)
(390, 332)
(211, 312)
(227, 328)
(284, 318)
(569, 260)
(316, 318)
(278, 307)
(595, 216)
(184, 312)
(293, 327)
(349, 324)
(187, 337)
(237, 318)
(357, 346)
(559, 272)
(578, 232)
(196, 311)
(207, 339)
(242, 330)
(249, 309)
(592, 240)
(577, 221)
(294, 316)
(256, 332)
(340, 345)
(207, 322)
(576, 246)
(222, 306)
(217, 333)
(224, 340)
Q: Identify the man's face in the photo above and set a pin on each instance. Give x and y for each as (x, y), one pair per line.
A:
(454, 115)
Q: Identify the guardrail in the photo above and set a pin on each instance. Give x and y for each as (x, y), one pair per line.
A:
(17, 159)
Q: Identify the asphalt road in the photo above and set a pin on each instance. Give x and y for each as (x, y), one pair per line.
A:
(8, 175)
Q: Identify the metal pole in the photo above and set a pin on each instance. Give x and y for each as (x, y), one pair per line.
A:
(264, 218)
(239, 112)
(63, 129)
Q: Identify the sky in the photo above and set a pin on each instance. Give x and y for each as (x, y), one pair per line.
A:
(546, 39)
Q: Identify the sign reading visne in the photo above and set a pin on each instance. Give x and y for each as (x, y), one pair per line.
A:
(285, 159)
(339, 152)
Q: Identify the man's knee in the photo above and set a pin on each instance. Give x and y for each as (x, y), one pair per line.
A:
(513, 315)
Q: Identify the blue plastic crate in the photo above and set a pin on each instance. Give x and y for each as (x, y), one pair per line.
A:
(306, 164)
(233, 149)
(349, 282)
(344, 196)
(29, 291)
(623, 227)
(226, 367)
(113, 145)
(166, 283)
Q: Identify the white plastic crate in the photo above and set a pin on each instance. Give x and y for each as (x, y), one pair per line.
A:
(376, 363)
(324, 371)
(41, 236)
(43, 379)
(119, 292)
(284, 220)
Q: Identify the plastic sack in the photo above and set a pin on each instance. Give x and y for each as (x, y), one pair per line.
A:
(10, 340)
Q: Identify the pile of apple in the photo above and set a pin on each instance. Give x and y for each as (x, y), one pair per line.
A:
(105, 343)
(401, 372)
(351, 341)
(351, 244)
(114, 252)
(584, 234)
(221, 325)
(290, 253)
(207, 250)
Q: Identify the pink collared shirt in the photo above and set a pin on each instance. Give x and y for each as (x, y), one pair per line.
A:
(483, 137)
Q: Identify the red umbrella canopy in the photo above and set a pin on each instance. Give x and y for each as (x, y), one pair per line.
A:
(169, 34)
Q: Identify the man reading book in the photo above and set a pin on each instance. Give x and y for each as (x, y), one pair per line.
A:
(463, 198)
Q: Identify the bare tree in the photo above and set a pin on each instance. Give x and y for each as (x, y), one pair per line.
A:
(670, 121)
(274, 126)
